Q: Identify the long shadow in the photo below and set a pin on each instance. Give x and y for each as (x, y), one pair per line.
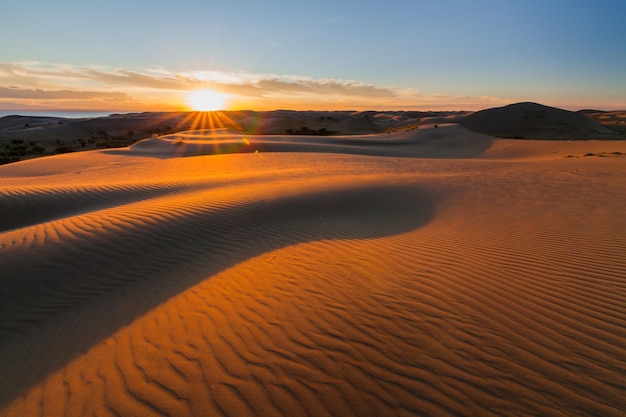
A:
(137, 268)
(23, 212)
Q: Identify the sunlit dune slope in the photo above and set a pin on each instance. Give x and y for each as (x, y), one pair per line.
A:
(445, 141)
(432, 272)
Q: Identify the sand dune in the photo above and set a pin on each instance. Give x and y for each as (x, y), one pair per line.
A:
(25, 137)
(429, 272)
(536, 121)
(446, 141)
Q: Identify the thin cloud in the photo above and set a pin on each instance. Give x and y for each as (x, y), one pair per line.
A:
(240, 83)
(39, 94)
(159, 88)
(136, 79)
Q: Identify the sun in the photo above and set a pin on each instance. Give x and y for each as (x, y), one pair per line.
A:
(206, 100)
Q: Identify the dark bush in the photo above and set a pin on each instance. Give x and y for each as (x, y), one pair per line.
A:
(36, 149)
(64, 149)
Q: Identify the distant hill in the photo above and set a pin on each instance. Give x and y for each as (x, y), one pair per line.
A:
(590, 111)
(536, 121)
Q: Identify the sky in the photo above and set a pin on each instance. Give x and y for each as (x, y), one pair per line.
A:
(153, 55)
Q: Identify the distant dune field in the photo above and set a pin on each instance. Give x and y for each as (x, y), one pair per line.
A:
(431, 271)
(27, 137)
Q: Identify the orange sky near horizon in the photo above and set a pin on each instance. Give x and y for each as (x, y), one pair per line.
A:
(324, 55)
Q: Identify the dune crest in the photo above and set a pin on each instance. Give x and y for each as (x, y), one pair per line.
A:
(443, 141)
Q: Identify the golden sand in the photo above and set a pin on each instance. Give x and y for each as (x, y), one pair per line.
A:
(433, 272)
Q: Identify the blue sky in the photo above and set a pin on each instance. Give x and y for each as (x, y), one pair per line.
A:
(130, 55)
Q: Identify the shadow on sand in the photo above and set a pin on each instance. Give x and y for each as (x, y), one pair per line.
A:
(49, 318)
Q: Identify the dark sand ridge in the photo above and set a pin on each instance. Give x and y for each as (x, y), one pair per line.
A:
(315, 284)
(535, 121)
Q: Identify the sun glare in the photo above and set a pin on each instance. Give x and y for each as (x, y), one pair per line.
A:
(206, 100)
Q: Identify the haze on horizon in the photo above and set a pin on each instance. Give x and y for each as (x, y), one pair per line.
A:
(324, 55)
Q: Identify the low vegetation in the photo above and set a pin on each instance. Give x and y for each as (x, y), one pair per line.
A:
(40, 137)
(304, 130)
(16, 149)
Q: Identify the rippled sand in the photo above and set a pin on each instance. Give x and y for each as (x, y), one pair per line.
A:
(432, 272)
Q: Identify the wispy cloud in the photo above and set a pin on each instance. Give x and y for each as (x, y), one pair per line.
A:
(237, 83)
(39, 94)
(151, 88)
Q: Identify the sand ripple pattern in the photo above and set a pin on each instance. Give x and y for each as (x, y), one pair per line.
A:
(380, 286)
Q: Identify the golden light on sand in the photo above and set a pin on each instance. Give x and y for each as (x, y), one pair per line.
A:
(206, 100)
(236, 284)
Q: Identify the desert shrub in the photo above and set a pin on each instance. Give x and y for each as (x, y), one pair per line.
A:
(405, 128)
(305, 130)
(114, 142)
(64, 149)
